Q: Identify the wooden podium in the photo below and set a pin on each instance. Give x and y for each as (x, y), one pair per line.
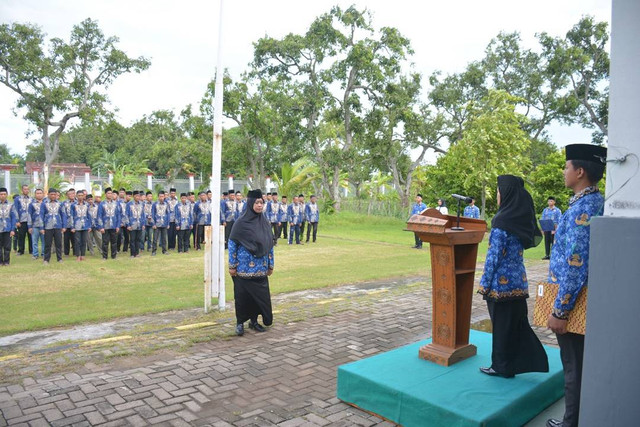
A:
(453, 266)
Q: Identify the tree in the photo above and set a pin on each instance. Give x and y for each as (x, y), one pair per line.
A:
(493, 143)
(581, 58)
(63, 83)
(296, 177)
(548, 180)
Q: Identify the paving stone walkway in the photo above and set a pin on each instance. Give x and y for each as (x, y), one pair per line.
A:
(284, 377)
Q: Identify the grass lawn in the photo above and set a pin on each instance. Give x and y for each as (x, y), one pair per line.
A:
(350, 248)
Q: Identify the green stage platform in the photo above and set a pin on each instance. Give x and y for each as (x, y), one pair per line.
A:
(407, 390)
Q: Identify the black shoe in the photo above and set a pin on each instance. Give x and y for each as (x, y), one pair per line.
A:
(240, 329)
(491, 372)
(552, 422)
(257, 327)
(546, 257)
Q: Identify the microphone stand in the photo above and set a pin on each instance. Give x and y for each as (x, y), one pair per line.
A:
(457, 227)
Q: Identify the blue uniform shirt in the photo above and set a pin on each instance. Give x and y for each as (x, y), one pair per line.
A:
(246, 264)
(471, 212)
(283, 212)
(21, 205)
(504, 275)
(294, 214)
(53, 215)
(553, 214)
(184, 217)
(136, 218)
(80, 218)
(311, 212)
(569, 265)
(273, 211)
(160, 214)
(34, 219)
(416, 208)
(8, 217)
(202, 213)
(109, 214)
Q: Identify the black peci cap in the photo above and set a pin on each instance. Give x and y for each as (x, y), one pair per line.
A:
(589, 152)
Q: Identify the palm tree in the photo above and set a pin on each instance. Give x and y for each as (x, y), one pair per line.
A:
(296, 177)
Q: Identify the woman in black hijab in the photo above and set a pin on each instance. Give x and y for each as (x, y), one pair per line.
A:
(516, 349)
(250, 264)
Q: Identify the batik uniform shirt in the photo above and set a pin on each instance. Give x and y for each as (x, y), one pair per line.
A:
(311, 212)
(471, 212)
(202, 213)
(21, 205)
(553, 214)
(93, 213)
(147, 206)
(136, 218)
(8, 217)
(109, 215)
(184, 218)
(34, 219)
(66, 205)
(569, 265)
(80, 218)
(246, 264)
(294, 214)
(504, 276)
(416, 208)
(273, 210)
(160, 214)
(303, 212)
(53, 215)
(241, 206)
(122, 205)
(283, 213)
(172, 202)
(223, 210)
(230, 211)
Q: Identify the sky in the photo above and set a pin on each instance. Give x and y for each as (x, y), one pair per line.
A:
(180, 38)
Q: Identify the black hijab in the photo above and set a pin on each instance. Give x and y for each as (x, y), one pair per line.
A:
(252, 230)
(516, 214)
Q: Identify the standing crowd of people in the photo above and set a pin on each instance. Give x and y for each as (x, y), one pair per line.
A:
(130, 221)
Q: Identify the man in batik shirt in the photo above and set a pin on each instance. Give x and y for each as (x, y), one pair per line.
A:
(54, 219)
(110, 217)
(136, 222)
(21, 206)
(184, 222)
(8, 219)
(569, 265)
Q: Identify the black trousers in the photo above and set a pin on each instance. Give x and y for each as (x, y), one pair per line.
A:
(302, 229)
(227, 232)
(5, 247)
(134, 242)
(418, 241)
(252, 298)
(22, 234)
(172, 233)
(148, 237)
(183, 240)
(80, 242)
(276, 231)
(53, 236)
(110, 237)
(314, 226)
(69, 242)
(571, 354)
(283, 228)
(548, 242)
(294, 231)
(199, 236)
(160, 233)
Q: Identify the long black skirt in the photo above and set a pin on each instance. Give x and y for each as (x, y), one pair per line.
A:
(252, 298)
(516, 348)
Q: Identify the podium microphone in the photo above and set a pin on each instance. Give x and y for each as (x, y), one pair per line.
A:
(461, 198)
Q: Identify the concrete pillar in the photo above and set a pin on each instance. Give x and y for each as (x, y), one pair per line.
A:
(267, 184)
(87, 181)
(192, 182)
(36, 176)
(610, 375)
(110, 178)
(230, 184)
(149, 181)
(7, 181)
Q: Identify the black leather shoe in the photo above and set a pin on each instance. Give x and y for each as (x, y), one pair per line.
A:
(257, 327)
(240, 329)
(552, 422)
(545, 257)
(491, 372)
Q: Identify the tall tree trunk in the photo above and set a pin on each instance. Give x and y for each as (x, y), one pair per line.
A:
(484, 200)
(335, 188)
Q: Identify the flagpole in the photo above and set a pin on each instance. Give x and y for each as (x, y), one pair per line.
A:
(217, 252)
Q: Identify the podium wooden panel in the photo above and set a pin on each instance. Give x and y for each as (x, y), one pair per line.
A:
(453, 265)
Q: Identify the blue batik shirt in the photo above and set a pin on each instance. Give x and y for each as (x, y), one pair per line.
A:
(311, 212)
(173, 202)
(21, 205)
(53, 215)
(283, 212)
(273, 211)
(8, 217)
(202, 213)
(294, 214)
(241, 206)
(471, 212)
(93, 213)
(80, 218)
(160, 214)
(229, 210)
(136, 218)
(416, 208)
(504, 276)
(34, 219)
(246, 264)
(569, 265)
(184, 217)
(553, 214)
(109, 215)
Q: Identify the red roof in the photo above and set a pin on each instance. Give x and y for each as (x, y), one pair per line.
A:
(69, 169)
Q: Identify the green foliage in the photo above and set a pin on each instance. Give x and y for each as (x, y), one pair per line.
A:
(548, 180)
(296, 178)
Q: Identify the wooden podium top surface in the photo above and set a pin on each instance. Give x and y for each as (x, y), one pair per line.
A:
(434, 227)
